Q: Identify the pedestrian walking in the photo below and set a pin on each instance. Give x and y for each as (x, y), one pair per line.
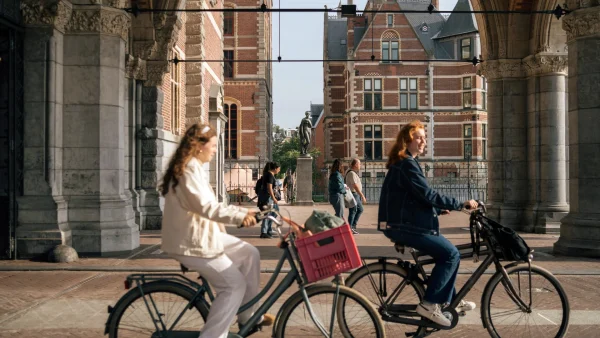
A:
(336, 188)
(353, 182)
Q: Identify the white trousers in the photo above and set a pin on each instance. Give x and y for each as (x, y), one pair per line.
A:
(235, 278)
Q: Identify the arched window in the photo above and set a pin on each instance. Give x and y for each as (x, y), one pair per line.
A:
(390, 47)
(231, 131)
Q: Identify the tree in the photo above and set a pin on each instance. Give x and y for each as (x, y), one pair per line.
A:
(285, 152)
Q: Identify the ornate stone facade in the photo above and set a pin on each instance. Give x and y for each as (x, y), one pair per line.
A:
(56, 14)
(501, 69)
(545, 64)
(583, 22)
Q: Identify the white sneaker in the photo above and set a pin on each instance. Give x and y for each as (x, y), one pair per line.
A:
(465, 306)
(433, 312)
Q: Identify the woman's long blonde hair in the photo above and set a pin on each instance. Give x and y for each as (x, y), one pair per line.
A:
(195, 137)
(405, 136)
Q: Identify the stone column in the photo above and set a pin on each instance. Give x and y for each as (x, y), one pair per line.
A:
(99, 212)
(546, 142)
(580, 229)
(507, 122)
(42, 216)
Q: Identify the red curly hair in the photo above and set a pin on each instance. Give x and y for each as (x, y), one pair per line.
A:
(195, 137)
(405, 136)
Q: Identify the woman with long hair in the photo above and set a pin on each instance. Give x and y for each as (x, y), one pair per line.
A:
(193, 232)
(336, 188)
(267, 196)
(408, 214)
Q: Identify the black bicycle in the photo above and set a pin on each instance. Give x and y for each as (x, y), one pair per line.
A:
(519, 300)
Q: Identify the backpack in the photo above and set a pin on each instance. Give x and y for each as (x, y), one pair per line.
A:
(258, 186)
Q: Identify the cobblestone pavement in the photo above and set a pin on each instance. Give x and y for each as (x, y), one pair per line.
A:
(47, 302)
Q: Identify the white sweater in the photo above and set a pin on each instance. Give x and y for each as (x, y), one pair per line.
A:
(192, 215)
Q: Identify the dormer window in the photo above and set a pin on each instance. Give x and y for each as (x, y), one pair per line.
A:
(424, 28)
(343, 42)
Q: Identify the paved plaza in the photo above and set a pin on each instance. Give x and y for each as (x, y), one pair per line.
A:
(39, 299)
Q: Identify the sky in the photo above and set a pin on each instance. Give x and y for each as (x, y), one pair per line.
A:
(296, 85)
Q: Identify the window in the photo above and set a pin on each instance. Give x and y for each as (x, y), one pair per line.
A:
(465, 48)
(484, 141)
(484, 94)
(467, 82)
(231, 131)
(372, 94)
(467, 92)
(228, 64)
(468, 130)
(381, 174)
(468, 149)
(390, 20)
(175, 96)
(228, 23)
(373, 142)
(408, 94)
(389, 51)
(366, 175)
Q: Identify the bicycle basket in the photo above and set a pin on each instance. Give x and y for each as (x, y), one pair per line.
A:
(507, 244)
(328, 253)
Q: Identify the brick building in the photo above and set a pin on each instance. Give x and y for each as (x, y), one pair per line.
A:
(248, 103)
(420, 72)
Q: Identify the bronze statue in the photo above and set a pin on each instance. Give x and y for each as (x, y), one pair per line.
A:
(305, 133)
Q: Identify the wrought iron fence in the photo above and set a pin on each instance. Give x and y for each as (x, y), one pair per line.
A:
(459, 179)
(240, 177)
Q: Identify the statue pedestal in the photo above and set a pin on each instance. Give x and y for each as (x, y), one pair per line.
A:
(304, 181)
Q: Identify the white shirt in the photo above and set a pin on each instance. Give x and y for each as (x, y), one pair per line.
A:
(193, 217)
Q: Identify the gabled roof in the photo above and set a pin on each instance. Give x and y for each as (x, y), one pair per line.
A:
(435, 22)
(315, 112)
(459, 23)
(336, 34)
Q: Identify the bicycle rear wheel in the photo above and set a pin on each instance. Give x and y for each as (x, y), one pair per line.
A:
(359, 318)
(167, 300)
(386, 278)
(549, 311)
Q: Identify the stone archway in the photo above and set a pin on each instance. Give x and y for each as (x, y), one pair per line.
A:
(531, 73)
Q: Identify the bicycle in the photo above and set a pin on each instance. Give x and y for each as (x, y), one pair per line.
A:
(192, 300)
(511, 286)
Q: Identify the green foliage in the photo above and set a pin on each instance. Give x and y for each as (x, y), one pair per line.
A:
(285, 152)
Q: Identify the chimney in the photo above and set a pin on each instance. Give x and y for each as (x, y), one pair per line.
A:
(436, 4)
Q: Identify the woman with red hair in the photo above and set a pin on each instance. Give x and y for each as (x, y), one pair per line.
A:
(408, 214)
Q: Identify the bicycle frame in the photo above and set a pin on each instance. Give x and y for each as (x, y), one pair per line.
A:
(204, 289)
(417, 269)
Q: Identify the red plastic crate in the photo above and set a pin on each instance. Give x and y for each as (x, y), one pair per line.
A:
(328, 253)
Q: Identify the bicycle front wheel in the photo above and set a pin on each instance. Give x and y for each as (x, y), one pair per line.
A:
(354, 315)
(548, 314)
(161, 309)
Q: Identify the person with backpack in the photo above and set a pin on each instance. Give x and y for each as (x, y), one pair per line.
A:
(267, 196)
(408, 214)
(353, 182)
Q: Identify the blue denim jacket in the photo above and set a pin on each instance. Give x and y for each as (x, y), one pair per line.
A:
(407, 202)
(336, 184)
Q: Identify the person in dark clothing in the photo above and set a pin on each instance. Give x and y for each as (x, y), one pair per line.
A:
(408, 214)
(336, 189)
(267, 196)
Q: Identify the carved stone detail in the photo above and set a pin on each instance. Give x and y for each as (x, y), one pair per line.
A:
(100, 19)
(155, 71)
(582, 22)
(144, 49)
(167, 31)
(135, 68)
(577, 4)
(545, 63)
(55, 13)
(504, 68)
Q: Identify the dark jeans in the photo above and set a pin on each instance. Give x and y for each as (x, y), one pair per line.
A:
(337, 200)
(354, 213)
(267, 224)
(440, 288)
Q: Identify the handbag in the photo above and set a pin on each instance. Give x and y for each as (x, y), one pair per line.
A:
(349, 200)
